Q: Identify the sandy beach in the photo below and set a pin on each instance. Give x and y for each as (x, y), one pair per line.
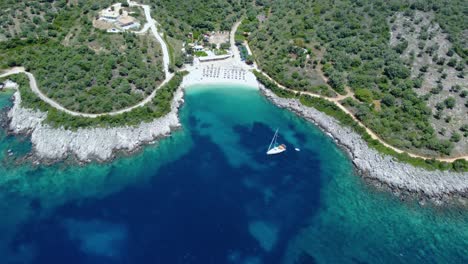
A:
(228, 71)
(101, 144)
(52, 144)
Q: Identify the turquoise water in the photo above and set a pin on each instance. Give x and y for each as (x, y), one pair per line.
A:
(209, 194)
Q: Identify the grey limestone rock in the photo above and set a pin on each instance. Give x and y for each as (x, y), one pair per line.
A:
(373, 165)
(88, 143)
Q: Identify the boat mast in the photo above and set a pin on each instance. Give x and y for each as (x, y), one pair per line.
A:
(274, 139)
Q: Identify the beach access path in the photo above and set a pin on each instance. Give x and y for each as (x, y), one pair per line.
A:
(151, 24)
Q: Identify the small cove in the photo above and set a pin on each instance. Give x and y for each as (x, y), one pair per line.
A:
(209, 194)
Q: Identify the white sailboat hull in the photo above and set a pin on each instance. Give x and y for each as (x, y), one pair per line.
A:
(276, 150)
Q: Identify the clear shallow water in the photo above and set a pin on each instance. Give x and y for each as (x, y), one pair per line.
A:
(208, 194)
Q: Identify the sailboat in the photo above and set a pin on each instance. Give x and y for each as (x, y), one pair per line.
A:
(274, 148)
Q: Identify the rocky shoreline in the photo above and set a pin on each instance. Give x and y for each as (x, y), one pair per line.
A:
(88, 144)
(383, 171)
(103, 144)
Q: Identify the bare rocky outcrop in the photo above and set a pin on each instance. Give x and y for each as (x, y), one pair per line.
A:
(88, 144)
(382, 170)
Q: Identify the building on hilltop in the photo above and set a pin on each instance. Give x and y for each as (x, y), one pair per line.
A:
(111, 13)
(127, 22)
(115, 19)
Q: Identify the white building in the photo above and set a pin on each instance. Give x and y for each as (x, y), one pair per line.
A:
(119, 18)
(127, 22)
(111, 14)
(198, 48)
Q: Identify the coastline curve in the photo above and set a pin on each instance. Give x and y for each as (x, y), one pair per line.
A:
(401, 178)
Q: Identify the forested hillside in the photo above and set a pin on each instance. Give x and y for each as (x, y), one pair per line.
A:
(44, 18)
(349, 42)
(437, 70)
(83, 68)
(179, 18)
(404, 62)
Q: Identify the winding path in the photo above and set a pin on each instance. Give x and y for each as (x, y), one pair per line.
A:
(232, 40)
(151, 24)
(336, 101)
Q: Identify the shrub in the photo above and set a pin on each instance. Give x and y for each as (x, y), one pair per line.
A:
(450, 102)
(364, 95)
(158, 107)
(396, 71)
(455, 137)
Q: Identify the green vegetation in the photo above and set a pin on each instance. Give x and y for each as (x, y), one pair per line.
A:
(178, 18)
(44, 19)
(83, 68)
(273, 87)
(158, 107)
(449, 102)
(297, 43)
(181, 19)
(344, 119)
(200, 53)
(84, 81)
(451, 16)
(220, 51)
(364, 95)
(28, 98)
(176, 55)
(349, 42)
(248, 25)
(289, 59)
(293, 62)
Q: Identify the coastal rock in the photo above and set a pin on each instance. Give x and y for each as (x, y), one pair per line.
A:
(4, 120)
(89, 143)
(23, 120)
(373, 165)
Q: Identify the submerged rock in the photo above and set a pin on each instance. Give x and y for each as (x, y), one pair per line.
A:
(97, 238)
(265, 233)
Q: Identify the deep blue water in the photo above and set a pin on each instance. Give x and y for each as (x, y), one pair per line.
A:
(209, 194)
(195, 210)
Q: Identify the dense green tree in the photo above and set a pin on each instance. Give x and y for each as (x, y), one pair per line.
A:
(450, 102)
(455, 137)
(395, 70)
(388, 100)
(364, 95)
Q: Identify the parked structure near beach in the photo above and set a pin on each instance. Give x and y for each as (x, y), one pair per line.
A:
(198, 48)
(214, 58)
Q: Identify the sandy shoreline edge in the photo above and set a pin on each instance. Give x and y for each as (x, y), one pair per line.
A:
(101, 144)
(383, 171)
